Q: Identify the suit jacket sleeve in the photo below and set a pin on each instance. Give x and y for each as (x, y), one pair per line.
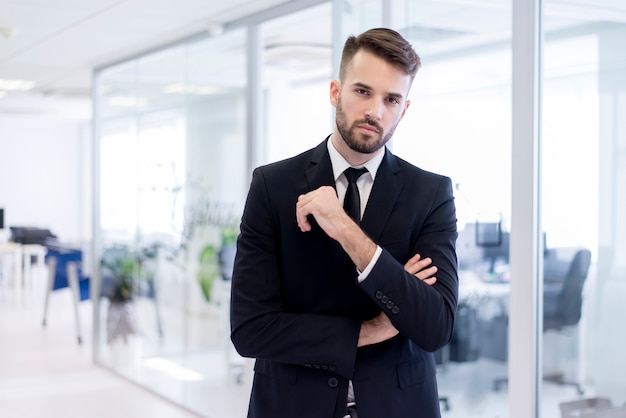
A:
(260, 326)
(425, 314)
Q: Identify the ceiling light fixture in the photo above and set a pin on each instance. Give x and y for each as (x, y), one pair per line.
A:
(16, 85)
(215, 28)
(198, 89)
(7, 32)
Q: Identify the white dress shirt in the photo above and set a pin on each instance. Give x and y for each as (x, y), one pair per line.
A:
(364, 183)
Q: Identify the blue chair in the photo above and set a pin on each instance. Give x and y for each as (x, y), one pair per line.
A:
(64, 270)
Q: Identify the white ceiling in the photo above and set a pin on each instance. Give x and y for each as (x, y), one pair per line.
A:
(57, 43)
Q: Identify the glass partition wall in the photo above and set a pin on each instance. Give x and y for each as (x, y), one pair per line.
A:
(178, 131)
(583, 189)
(172, 123)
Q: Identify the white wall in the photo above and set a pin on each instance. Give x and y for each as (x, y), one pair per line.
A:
(46, 175)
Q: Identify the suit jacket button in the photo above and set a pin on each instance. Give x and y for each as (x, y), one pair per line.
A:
(395, 310)
(379, 294)
(333, 382)
(332, 368)
(309, 365)
(390, 305)
(384, 299)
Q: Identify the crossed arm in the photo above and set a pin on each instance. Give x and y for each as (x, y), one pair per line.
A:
(324, 206)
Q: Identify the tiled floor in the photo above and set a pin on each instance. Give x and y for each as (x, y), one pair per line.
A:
(44, 373)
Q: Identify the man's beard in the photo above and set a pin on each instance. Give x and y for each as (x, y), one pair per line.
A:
(367, 144)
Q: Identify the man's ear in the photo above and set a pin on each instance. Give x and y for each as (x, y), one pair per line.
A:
(407, 103)
(335, 87)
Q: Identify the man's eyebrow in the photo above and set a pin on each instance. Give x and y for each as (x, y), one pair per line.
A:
(359, 84)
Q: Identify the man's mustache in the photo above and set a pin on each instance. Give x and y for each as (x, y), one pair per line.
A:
(368, 122)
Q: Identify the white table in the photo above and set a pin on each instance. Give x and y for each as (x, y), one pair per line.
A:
(11, 254)
(29, 250)
(488, 298)
(20, 263)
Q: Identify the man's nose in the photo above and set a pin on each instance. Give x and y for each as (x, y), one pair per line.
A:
(375, 110)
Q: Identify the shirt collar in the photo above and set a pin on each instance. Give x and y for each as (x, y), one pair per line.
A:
(340, 164)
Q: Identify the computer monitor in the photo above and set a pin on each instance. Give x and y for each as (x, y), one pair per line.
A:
(488, 234)
(482, 245)
(468, 253)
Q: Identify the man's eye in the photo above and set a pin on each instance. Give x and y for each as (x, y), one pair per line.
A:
(362, 91)
(394, 100)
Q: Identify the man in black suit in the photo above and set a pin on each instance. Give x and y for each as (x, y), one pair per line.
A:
(342, 314)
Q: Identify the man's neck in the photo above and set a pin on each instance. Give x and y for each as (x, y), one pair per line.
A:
(354, 158)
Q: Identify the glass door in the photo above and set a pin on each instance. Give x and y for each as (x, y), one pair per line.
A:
(583, 186)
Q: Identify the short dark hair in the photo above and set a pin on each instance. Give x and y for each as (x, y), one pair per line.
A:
(384, 43)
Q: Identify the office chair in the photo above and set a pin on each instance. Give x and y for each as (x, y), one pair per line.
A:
(565, 270)
(64, 271)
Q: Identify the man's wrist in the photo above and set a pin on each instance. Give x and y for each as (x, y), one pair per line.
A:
(358, 245)
(363, 274)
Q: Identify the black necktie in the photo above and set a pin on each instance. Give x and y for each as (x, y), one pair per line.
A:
(352, 200)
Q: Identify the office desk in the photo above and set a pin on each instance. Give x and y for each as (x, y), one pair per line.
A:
(13, 253)
(20, 255)
(473, 290)
(481, 311)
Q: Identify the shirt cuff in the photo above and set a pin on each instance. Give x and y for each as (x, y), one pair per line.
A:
(363, 275)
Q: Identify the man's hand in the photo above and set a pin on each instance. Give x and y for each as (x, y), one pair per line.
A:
(420, 269)
(380, 328)
(376, 330)
(324, 206)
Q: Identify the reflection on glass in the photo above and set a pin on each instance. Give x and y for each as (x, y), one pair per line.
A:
(459, 125)
(172, 157)
(582, 197)
(297, 69)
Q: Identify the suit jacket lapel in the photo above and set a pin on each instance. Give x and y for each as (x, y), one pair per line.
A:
(385, 192)
(320, 173)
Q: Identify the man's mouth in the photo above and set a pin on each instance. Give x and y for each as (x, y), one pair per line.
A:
(368, 127)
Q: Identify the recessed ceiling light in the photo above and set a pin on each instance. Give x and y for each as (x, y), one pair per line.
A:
(7, 32)
(125, 101)
(180, 88)
(16, 85)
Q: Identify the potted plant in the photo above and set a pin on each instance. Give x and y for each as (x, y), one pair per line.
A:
(121, 273)
(215, 262)
(120, 268)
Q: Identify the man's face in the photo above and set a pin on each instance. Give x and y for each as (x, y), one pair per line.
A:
(370, 103)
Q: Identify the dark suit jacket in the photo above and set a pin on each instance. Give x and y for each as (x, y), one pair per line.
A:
(297, 307)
